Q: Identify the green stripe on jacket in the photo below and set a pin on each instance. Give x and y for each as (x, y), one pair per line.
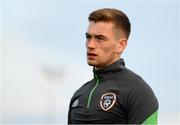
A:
(152, 120)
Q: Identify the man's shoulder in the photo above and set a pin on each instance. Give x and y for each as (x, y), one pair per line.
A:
(139, 93)
(130, 75)
(131, 79)
(135, 84)
(82, 88)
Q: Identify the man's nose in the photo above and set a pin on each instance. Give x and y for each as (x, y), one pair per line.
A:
(91, 44)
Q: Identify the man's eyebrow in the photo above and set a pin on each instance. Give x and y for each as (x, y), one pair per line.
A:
(97, 36)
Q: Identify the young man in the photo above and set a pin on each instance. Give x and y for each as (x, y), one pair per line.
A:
(115, 95)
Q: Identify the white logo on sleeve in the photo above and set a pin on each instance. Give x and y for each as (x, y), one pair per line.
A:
(75, 103)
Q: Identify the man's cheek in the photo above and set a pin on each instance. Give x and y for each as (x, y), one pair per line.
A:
(106, 50)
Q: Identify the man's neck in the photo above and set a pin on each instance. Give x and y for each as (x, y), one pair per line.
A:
(98, 68)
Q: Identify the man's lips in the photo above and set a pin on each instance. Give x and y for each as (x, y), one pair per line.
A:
(91, 55)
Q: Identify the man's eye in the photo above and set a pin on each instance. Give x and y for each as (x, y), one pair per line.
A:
(88, 37)
(100, 39)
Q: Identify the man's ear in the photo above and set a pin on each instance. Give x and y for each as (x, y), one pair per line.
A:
(121, 45)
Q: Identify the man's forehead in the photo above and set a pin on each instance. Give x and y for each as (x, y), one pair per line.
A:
(101, 23)
(100, 28)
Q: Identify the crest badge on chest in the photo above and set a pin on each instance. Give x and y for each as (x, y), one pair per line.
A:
(107, 101)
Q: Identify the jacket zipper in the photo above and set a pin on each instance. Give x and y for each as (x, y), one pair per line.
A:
(92, 91)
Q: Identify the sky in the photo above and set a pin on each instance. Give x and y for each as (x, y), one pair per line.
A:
(43, 55)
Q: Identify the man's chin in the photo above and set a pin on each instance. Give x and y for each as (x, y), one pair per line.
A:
(91, 63)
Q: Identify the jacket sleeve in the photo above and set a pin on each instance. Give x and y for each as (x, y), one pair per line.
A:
(142, 106)
(69, 113)
(69, 116)
(152, 119)
(70, 108)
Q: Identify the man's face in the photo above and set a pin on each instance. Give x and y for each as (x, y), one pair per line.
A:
(101, 44)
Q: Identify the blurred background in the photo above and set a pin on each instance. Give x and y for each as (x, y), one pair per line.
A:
(43, 55)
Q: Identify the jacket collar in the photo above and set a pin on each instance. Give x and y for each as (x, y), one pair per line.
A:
(106, 72)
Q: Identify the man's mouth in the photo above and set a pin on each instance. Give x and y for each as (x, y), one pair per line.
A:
(91, 55)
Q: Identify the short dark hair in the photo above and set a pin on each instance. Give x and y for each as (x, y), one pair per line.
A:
(120, 20)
